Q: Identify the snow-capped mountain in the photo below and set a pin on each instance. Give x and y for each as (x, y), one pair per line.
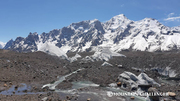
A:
(177, 28)
(119, 33)
(2, 45)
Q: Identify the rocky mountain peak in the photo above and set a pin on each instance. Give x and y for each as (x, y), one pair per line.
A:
(120, 16)
(119, 21)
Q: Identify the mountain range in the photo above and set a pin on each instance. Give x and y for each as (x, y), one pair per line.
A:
(119, 33)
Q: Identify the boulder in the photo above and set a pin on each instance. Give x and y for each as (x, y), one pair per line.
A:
(119, 84)
(16, 87)
(132, 98)
(132, 80)
(124, 85)
(162, 84)
(10, 83)
(120, 66)
(89, 99)
(44, 99)
(5, 85)
(172, 94)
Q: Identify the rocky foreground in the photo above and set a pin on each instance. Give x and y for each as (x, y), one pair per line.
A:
(34, 70)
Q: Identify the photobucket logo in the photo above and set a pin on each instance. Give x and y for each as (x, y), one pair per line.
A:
(110, 94)
(145, 94)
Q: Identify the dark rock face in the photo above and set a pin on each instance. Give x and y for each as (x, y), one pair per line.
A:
(27, 44)
(8, 44)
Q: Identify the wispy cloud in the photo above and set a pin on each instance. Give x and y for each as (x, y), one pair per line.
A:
(173, 18)
(170, 17)
(170, 14)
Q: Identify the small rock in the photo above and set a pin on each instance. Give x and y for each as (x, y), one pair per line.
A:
(5, 85)
(25, 91)
(39, 95)
(34, 88)
(111, 85)
(120, 66)
(49, 93)
(44, 99)
(119, 84)
(67, 97)
(162, 84)
(16, 87)
(116, 80)
(76, 98)
(10, 83)
(124, 85)
(132, 98)
(133, 89)
(89, 99)
(49, 99)
(13, 92)
(171, 94)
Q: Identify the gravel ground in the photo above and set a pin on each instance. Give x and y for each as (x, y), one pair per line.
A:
(36, 69)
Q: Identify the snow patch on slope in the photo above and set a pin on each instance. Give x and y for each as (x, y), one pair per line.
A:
(106, 64)
(101, 54)
(87, 59)
(51, 49)
(74, 58)
(87, 45)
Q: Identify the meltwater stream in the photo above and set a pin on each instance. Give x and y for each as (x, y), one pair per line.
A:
(61, 79)
(100, 93)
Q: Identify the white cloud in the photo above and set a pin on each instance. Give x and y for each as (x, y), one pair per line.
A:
(170, 18)
(173, 18)
(170, 15)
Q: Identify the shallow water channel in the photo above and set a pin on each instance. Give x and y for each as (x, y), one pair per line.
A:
(21, 90)
(94, 90)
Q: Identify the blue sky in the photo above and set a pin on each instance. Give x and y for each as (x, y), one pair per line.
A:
(20, 17)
